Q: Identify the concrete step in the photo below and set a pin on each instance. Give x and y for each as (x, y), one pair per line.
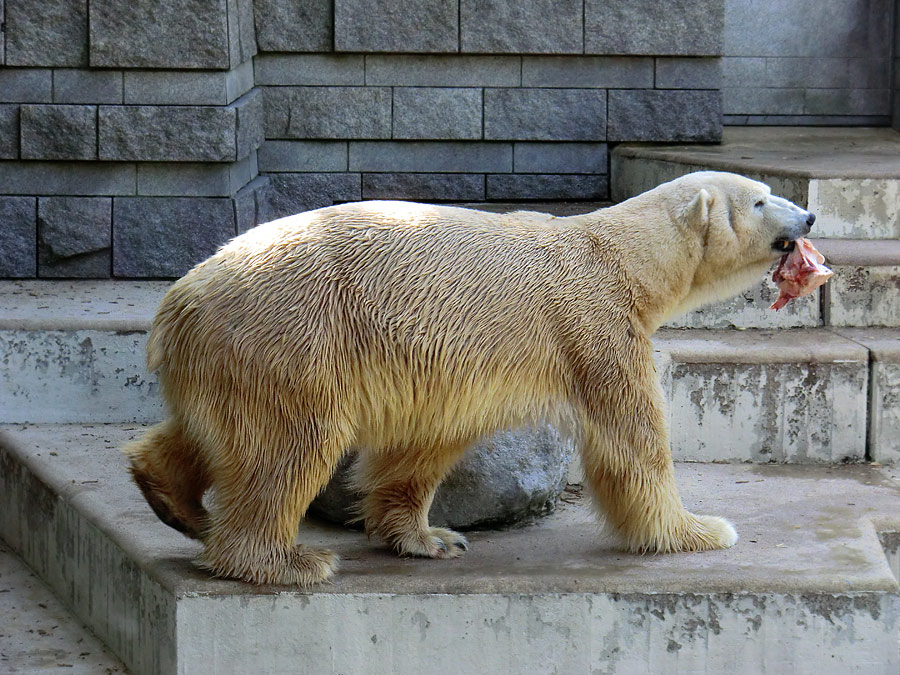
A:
(71, 355)
(38, 633)
(864, 291)
(849, 177)
(809, 587)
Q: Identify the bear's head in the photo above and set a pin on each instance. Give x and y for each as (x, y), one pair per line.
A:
(738, 227)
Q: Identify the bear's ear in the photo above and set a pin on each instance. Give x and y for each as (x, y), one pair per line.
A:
(696, 213)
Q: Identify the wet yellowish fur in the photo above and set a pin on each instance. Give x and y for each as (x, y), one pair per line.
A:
(409, 331)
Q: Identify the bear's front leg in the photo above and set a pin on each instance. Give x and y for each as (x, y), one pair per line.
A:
(399, 486)
(628, 463)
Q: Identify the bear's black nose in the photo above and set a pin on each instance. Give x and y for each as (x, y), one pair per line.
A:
(811, 219)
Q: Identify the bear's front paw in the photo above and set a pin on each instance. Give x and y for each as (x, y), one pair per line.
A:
(434, 542)
(706, 533)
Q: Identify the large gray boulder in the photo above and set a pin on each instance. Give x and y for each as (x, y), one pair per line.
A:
(503, 480)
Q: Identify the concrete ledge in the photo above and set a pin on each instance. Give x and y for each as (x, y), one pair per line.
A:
(76, 354)
(807, 585)
(849, 177)
(803, 152)
(797, 396)
(884, 389)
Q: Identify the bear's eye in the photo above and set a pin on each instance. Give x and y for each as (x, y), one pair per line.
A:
(761, 203)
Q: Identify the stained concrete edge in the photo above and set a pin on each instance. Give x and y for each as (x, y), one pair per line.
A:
(794, 345)
(790, 153)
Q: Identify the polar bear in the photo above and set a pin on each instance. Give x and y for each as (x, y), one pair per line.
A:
(409, 331)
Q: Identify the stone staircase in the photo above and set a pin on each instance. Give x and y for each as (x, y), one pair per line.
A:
(787, 423)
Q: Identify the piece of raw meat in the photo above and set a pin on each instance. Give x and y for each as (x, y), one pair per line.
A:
(799, 273)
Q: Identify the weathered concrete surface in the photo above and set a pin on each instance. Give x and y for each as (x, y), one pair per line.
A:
(750, 309)
(884, 389)
(865, 288)
(765, 396)
(808, 586)
(849, 177)
(39, 634)
(74, 352)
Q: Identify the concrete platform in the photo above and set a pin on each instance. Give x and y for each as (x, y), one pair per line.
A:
(808, 587)
(849, 177)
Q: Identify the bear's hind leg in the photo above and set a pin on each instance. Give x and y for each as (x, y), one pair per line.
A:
(400, 484)
(172, 476)
(261, 496)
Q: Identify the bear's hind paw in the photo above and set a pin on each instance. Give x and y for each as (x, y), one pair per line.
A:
(299, 566)
(434, 542)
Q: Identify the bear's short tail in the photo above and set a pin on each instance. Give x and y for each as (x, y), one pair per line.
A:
(172, 476)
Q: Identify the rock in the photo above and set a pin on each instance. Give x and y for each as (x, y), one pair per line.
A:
(503, 480)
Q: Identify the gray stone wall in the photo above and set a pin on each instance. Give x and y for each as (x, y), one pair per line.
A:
(135, 137)
(128, 134)
(465, 100)
(809, 62)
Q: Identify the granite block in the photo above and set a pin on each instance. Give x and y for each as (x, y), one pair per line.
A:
(802, 72)
(187, 179)
(808, 28)
(166, 236)
(164, 34)
(396, 26)
(439, 70)
(74, 237)
(560, 158)
(241, 31)
(533, 27)
(291, 193)
(678, 72)
(441, 187)
(58, 131)
(87, 86)
(67, 178)
(302, 156)
(46, 33)
(310, 69)
(18, 236)
(532, 187)
(594, 72)
(154, 87)
(871, 73)
(680, 27)
(26, 85)
(665, 115)
(167, 133)
(743, 71)
(250, 203)
(327, 112)
(762, 101)
(9, 131)
(294, 25)
(250, 131)
(545, 114)
(437, 113)
(847, 102)
(430, 157)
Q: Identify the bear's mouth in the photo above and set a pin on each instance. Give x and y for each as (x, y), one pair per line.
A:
(783, 245)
